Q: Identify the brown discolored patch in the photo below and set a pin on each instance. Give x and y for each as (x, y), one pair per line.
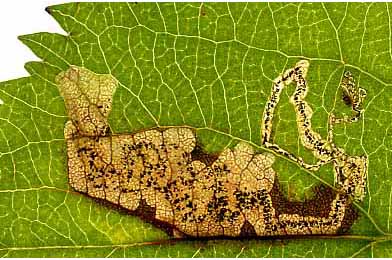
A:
(147, 213)
(318, 206)
(247, 230)
(350, 216)
(144, 210)
(200, 155)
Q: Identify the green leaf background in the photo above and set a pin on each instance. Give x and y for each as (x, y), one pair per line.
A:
(206, 65)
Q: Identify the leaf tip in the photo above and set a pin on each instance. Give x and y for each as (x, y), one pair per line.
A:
(22, 37)
(48, 10)
(29, 66)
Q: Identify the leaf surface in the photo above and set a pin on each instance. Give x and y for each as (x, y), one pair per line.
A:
(209, 66)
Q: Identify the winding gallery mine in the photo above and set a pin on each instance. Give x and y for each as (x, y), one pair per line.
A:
(163, 175)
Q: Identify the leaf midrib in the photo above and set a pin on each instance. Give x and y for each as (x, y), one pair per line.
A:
(371, 240)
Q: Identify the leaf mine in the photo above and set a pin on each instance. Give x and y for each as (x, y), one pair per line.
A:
(163, 174)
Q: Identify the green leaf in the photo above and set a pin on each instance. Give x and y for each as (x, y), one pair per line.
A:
(209, 66)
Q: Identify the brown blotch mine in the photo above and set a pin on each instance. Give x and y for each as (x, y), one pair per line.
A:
(164, 176)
